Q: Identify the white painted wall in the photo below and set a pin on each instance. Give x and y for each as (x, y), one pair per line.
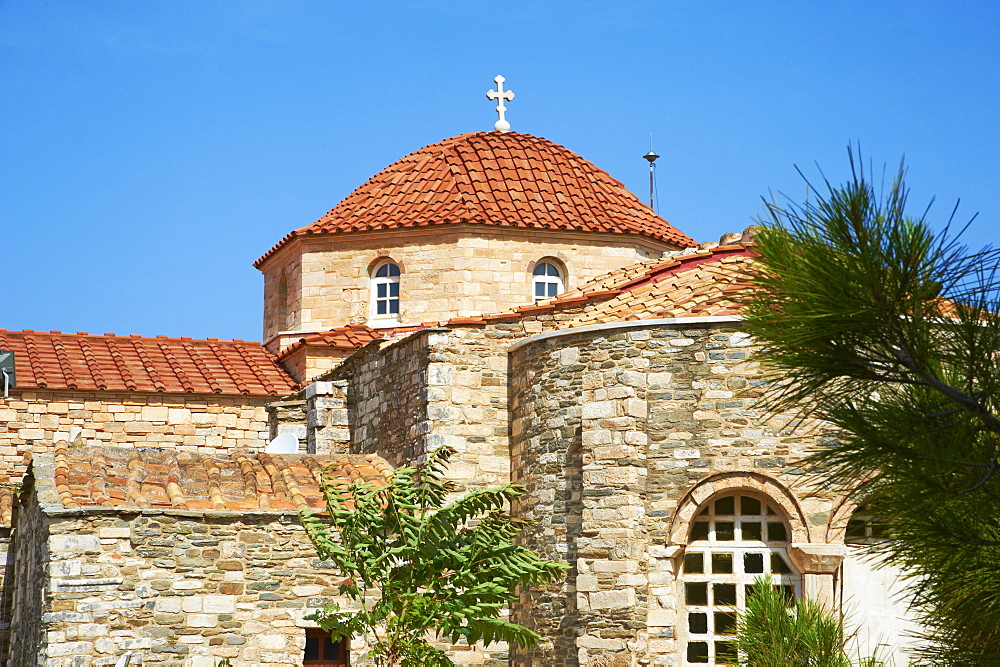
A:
(874, 600)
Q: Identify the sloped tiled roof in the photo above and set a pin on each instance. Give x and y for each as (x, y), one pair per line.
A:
(709, 282)
(149, 477)
(690, 289)
(503, 179)
(57, 360)
(699, 284)
(350, 337)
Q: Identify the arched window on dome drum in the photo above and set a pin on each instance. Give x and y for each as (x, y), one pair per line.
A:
(546, 281)
(385, 291)
(734, 539)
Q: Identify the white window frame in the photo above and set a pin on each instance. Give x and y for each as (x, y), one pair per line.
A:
(547, 277)
(385, 291)
(748, 551)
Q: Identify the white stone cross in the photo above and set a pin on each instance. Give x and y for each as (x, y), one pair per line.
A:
(500, 95)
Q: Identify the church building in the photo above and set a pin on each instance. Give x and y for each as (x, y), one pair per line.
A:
(493, 292)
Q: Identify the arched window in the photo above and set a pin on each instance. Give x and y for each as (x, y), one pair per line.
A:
(385, 291)
(864, 528)
(734, 539)
(546, 281)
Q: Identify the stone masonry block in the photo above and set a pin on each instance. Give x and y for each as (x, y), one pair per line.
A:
(599, 409)
(74, 543)
(612, 599)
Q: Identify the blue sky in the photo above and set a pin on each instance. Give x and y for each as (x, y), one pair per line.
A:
(150, 151)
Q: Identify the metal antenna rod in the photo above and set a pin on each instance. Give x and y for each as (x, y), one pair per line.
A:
(651, 156)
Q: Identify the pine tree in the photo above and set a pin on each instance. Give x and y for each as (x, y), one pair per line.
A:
(419, 566)
(774, 630)
(890, 332)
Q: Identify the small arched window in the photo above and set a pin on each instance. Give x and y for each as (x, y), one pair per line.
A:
(546, 281)
(385, 291)
(734, 539)
(865, 528)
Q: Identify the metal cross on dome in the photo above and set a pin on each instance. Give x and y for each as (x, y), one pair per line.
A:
(500, 95)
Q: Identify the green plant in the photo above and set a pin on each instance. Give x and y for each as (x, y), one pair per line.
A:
(772, 632)
(889, 332)
(418, 566)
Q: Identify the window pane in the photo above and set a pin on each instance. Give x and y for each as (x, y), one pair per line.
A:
(725, 653)
(380, 307)
(751, 532)
(696, 593)
(700, 531)
(551, 270)
(394, 306)
(776, 532)
(856, 529)
(694, 563)
(540, 289)
(778, 565)
(749, 505)
(553, 289)
(725, 531)
(393, 270)
(312, 648)
(879, 529)
(753, 563)
(725, 505)
(722, 563)
(698, 623)
(539, 269)
(331, 651)
(724, 594)
(725, 623)
(698, 652)
(394, 289)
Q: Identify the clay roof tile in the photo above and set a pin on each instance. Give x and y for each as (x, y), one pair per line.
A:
(107, 362)
(492, 178)
(152, 477)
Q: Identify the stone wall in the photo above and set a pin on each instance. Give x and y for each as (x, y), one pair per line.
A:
(31, 420)
(619, 434)
(448, 271)
(98, 586)
(6, 592)
(25, 587)
(407, 397)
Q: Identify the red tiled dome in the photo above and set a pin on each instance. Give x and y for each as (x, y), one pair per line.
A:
(492, 178)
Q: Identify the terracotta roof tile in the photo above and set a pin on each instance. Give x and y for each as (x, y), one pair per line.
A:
(90, 362)
(149, 477)
(493, 178)
(350, 337)
(700, 284)
(685, 285)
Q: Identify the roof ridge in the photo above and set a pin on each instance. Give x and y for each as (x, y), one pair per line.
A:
(161, 364)
(104, 336)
